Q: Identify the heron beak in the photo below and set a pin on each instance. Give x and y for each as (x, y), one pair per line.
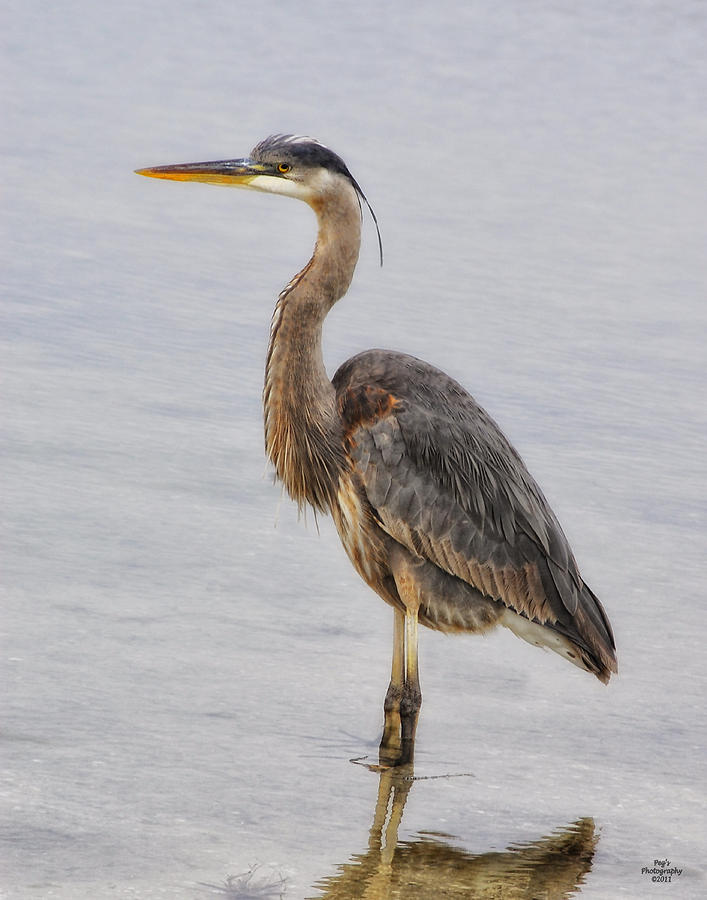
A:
(231, 172)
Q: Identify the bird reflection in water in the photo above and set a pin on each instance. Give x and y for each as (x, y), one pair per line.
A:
(428, 866)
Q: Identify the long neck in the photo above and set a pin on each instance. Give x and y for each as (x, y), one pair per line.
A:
(302, 430)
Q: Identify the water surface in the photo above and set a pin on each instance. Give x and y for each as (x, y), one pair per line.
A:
(188, 667)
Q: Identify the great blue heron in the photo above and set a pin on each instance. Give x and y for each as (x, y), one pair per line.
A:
(434, 507)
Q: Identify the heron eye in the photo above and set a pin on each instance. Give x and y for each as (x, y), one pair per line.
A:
(284, 168)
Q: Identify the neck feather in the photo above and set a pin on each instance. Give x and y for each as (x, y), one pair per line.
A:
(302, 429)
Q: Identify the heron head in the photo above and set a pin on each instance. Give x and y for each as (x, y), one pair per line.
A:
(287, 164)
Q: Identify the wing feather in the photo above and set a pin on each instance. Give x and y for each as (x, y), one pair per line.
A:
(443, 481)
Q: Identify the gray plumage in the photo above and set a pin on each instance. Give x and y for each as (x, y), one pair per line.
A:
(443, 481)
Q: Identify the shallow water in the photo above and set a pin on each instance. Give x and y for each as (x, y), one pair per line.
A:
(189, 669)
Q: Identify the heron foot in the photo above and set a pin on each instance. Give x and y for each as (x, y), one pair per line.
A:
(401, 708)
(409, 710)
(390, 742)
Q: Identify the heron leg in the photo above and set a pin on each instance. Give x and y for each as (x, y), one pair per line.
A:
(404, 698)
(390, 747)
(411, 700)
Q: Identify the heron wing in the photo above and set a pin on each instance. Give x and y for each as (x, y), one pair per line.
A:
(443, 481)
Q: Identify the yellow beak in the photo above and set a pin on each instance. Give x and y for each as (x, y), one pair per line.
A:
(234, 172)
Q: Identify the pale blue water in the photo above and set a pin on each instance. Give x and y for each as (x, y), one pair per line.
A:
(188, 668)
